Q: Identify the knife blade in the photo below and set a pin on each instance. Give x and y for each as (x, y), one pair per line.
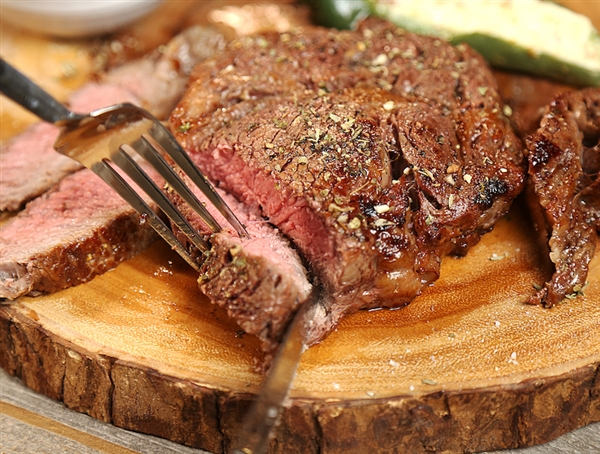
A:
(264, 412)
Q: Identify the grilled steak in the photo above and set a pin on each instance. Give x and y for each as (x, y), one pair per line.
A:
(67, 236)
(260, 275)
(30, 166)
(376, 151)
(564, 161)
(81, 229)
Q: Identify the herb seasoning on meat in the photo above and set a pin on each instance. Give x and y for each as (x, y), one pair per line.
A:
(375, 151)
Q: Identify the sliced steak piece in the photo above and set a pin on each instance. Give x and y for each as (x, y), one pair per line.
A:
(29, 164)
(67, 236)
(564, 161)
(262, 274)
(81, 228)
(376, 152)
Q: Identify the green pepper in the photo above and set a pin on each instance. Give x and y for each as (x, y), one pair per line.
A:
(340, 14)
(533, 36)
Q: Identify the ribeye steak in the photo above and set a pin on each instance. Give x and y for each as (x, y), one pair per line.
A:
(564, 161)
(375, 151)
(79, 227)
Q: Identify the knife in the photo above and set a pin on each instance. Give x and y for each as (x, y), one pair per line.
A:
(264, 413)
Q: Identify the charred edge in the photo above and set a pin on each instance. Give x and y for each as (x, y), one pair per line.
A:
(489, 190)
(543, 152)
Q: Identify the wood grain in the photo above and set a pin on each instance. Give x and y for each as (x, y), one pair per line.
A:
(468, 366)
(18, 435)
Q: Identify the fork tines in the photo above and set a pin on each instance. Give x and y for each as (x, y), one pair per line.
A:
(151, 146)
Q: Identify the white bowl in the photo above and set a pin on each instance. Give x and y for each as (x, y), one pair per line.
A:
(74, 18)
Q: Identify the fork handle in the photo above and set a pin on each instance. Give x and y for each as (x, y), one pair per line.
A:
(32, 97)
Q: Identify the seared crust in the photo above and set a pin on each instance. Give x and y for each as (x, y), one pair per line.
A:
(564, 160)
(375, 151)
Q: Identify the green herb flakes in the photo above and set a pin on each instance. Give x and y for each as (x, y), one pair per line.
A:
(184, 127)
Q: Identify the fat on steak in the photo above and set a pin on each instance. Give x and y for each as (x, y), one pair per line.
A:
(29, 164)
(564, 161)
(375, 151)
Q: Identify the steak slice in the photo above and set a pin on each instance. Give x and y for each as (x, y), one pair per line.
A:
(564, 161)
(262, 274)
(29, 164)
(375, 151)
(79, 229)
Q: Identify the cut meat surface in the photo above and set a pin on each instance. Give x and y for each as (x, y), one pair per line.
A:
(564, 161)
(375, 151)
(30, 166)
(67, 236)
(81, 228)
(29, 163)
(260, 280)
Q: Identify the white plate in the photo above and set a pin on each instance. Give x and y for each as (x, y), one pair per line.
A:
(74, 18)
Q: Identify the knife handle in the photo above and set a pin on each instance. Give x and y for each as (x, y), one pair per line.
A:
(265, 411)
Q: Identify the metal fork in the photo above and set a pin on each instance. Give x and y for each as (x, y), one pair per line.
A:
(116, 137)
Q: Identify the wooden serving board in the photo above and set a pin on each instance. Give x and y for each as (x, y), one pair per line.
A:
(468, 366)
